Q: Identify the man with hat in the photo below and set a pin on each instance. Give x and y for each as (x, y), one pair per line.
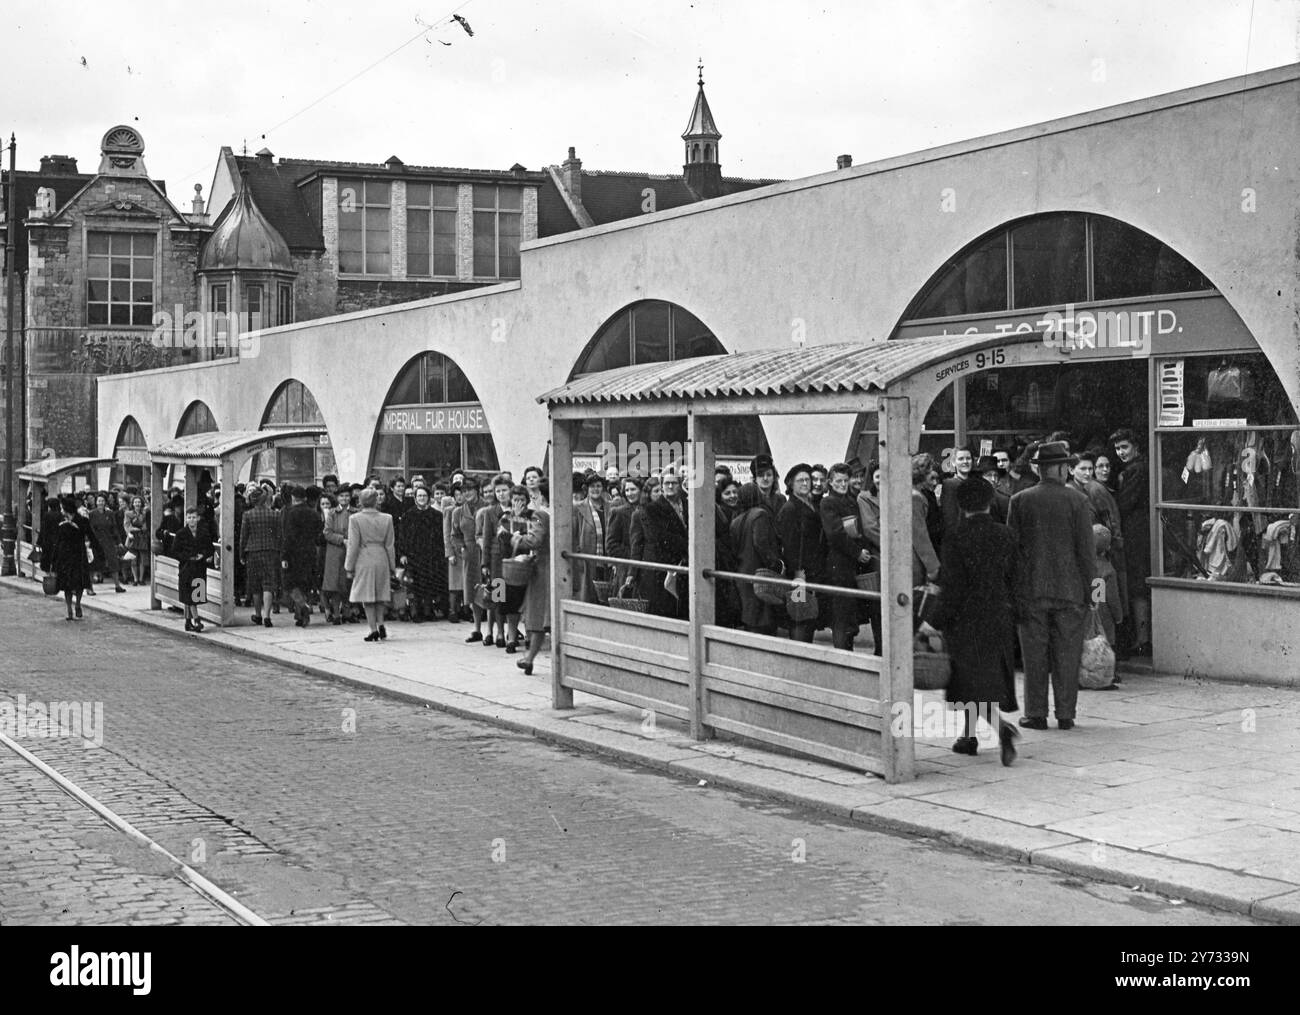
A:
(977, 617)
(1052, 525)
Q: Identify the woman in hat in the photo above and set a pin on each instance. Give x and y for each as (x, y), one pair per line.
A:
(977, 617)
(799, 524)
(65, 553)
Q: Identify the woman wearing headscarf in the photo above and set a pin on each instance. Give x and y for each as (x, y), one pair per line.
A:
(64, 552)
(757, 545)
(727, 598)
(799, 525)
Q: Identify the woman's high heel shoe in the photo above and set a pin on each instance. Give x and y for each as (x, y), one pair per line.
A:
(372, 636)
(526, 666)
(383, 632)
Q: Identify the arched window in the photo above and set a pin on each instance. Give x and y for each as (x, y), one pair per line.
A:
(197, 418)
(293, 406)
(695, 153)
(305, 460)
(131, 468)
(1050, 260)
(655, 331)
(432, 424)
(708, 152)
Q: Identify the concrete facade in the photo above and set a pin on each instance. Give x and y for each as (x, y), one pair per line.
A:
(1210, 171)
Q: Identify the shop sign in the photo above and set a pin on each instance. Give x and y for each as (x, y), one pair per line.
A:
(1218, 424)
(132, 456)
(434, 419)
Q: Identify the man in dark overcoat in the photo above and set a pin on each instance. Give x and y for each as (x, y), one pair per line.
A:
(1053, 530)
(303, 527)
(976, 614)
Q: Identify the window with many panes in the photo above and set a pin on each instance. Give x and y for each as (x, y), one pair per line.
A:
(119, 278)
(497, 228)
(365, 227)
(431, 228)
(251, 298)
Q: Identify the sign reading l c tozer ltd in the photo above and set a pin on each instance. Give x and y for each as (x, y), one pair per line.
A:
(465, 417)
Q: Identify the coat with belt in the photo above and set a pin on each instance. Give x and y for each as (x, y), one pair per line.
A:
(372, 556)
(336, 550)
(537, 541)
(465, 546)
(976, 611)
(1052, 526)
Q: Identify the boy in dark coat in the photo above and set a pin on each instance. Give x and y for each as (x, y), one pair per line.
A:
(977, 616)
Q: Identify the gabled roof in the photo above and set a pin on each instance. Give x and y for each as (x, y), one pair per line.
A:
(26, 183)
(275, 190)
(847, 367)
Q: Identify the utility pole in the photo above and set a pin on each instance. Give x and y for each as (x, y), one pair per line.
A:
(9, 522)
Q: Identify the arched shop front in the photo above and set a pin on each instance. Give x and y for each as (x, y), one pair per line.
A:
(131, 458)
(432, 424)
(1147, 344)
(304, 459)
(655, 331)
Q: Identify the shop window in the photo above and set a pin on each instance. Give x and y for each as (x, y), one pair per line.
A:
(974, 283)
(1127, 262)
(480, 453)
(497, 226)
(365, 227)
(1049, 258)
(1227, 487)
(119, 278)
(431, 229)
(1049, 262)
(655, 331)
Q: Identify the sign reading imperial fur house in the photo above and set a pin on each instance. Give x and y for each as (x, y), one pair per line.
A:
(463, 418)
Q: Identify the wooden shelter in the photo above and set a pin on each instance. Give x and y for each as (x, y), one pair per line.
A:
(222, 455)
(36, 483)
(851, 708)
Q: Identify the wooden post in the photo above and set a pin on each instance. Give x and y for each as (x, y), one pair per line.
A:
(561, 541)
(701, 524)
(896, 590)
(157, 470)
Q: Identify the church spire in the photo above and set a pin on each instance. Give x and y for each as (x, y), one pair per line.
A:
(702, 167)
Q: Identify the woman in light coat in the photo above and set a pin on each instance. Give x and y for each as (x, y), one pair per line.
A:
(336, 549)
(371, 561)
(455, 568)
(537, 600)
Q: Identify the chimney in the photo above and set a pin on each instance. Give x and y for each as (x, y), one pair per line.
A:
(844, 162)
(573, 176)
(58, 165)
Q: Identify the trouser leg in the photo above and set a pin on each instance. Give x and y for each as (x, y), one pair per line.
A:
(1067, 651)
(1034, 649)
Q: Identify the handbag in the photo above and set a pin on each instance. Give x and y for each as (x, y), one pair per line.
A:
(1097, 664)
(127, 557)
(772, 595)
(35, 556)
(50, 584)
(1228, 384)
(800, 603)
(482, 596)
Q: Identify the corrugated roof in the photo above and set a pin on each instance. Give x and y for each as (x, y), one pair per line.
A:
(846, 367)
(212, 446)
(48, 467)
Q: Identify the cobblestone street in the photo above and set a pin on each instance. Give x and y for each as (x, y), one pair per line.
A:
(312, 802)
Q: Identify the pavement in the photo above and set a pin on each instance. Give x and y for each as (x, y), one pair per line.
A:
(1184, 787)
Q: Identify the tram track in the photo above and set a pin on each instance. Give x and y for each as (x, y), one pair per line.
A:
(177, 868)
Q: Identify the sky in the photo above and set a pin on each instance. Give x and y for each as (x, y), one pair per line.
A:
(792, 85)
